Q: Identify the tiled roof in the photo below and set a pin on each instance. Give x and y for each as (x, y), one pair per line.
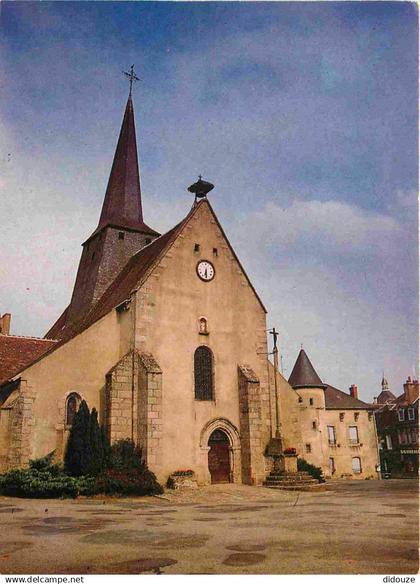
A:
(304, 374)
(386, 396)
(16, 353)
(58, 327)
(335, 399)
(131, 277)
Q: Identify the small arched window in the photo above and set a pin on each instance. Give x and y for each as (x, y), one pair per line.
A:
(72, 405)
(202, 326)
(203, 373)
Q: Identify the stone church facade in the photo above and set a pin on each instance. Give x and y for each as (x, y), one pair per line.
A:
(165, 335)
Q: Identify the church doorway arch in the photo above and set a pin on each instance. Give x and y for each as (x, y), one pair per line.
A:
(219, 457)
(233, 445)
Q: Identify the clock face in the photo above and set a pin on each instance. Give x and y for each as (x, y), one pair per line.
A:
(205, 270)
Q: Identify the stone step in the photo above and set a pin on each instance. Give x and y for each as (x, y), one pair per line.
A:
(299, 475)
(305, 487)
(290, 481)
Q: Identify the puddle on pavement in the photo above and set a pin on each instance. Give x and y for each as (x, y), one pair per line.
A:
(179, 542)
(63, 525)
(246, 547)
(141, 565)
(245, 559)
(121, 536)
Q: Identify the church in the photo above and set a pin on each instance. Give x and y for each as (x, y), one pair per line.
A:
(166, 336)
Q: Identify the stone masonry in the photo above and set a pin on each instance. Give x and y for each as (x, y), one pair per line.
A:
(134, 403)
(121, 392)
(250, 426)
(21, 424)
(150, 410)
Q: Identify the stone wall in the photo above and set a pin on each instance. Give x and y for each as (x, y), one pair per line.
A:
(253, 472)
(150, 409)
(21, 424)
(121, 391)
(134, 403)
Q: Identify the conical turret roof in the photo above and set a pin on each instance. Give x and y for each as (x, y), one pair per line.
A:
(122, 205)
(304, 374)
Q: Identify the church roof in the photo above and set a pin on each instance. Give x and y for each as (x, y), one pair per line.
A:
(335, 399)
(304, 374)
(130, 278)
(16, 353)
(386, 396)
(122, 205)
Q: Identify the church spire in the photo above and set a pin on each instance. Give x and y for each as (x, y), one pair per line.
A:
(122, 205)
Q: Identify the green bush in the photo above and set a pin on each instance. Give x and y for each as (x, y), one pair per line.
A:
(41, 484)
(124, 454)
(127, 475)
(314, 471)
(127, 482)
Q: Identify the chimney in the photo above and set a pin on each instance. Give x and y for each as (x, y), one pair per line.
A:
(354, 391)
(411, 390)
(375, 400)
(5, 323)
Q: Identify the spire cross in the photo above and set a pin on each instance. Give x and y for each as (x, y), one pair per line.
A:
(132, 77)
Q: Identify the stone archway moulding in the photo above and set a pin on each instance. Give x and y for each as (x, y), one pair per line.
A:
(220, 424)
(235, 445)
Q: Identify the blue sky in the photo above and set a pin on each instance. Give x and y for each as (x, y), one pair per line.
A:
(304, 115)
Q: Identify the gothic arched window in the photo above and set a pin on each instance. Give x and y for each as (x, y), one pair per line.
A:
(72, 405)
(203, 373)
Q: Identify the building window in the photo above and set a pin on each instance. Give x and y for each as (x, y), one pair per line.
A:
(147, 241)
(402, 437)
(331, 436)
(353, 435)
(121, 235)
(356, 465)
(314, 425)
(300, 400)
(196, 247)
(401, 415)
(341, 416)
(72, 405)
(414, 435)
(411, 415)
(331, 464)
(308, 448)
(388, 442)
(203, 373)
(215, 252)
(311, 401)
(356, 416)
(202, 326)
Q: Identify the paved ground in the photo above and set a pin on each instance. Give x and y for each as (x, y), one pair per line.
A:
(354, 527)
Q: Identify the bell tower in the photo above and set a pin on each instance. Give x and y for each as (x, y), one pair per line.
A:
(121, 230)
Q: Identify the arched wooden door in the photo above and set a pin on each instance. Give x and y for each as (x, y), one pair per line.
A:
(219, 457)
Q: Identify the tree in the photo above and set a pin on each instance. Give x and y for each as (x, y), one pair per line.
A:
(78, 455)
(98, 455)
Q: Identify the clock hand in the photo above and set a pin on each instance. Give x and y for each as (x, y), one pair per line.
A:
(205, 273)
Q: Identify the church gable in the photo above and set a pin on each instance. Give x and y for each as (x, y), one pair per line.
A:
(203, 246)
